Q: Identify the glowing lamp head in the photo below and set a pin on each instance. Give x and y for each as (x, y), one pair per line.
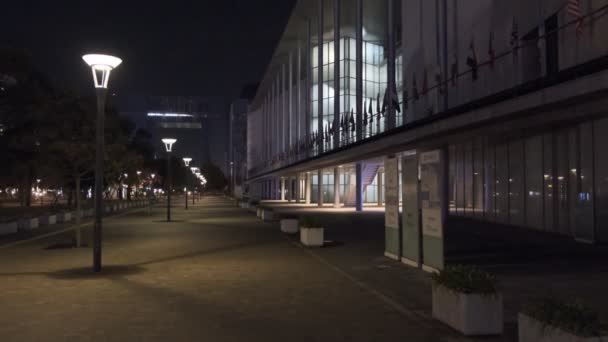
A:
(169, 144)
(101, 66)
(187, 161)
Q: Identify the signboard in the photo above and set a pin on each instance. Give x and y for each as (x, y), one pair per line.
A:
(391, 197)
(432, 182)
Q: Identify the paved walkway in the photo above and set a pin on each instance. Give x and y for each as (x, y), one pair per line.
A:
(215, 274)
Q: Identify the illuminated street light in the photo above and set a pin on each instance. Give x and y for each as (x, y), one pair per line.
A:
(187, 161)
(169, 148)
(101, 66)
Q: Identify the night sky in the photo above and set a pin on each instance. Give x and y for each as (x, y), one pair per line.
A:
(206, 48)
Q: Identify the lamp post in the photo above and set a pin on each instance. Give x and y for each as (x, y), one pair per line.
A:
(169, 148)
(101, 65)
(187, 161)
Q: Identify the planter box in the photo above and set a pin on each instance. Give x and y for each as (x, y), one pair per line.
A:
(289, 226)
(267, 215)
(27, 223)
(471, 314)
(48, 219)
(532, 330)
(8, 227)
(64, 217)
(311, 237)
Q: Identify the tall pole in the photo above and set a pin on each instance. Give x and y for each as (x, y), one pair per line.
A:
(186, 191)
(168, 186)
(101, 101)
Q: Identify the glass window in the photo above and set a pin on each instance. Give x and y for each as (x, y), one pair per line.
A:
(534, 182)
(478, 177)
(468, 178)
(516, 183)
(502, 188)
(584, 211)
(561, 172)
(549, 181)
(459, 179)
(601, 179)
(489, 181)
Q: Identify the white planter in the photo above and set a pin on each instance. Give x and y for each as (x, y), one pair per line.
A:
(64, 217)
(289, 226)
(531, 330)
(48, 219)
(471, 314)
(311, 237)
(8, 227)
(28, 224)
(267, 215)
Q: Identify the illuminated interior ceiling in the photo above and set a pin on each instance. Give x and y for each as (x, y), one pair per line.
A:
(374, 30)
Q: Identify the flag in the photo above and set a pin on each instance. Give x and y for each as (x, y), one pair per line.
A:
(425, 83)
(454, 70)
(514, 41)
(491, 52)
(415, 94)
(395, 99)
(385, 100)
(378, 104)
(472, 60)
(371, 111)
(352, 119)
(364, 114)
(574, 9)
(438, 80)
(342, 121)
(405, 95)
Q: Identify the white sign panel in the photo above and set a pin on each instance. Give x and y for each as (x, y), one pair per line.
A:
(391, 197)
(432, 224)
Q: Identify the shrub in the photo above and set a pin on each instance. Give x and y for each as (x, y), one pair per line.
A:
(308, 222)
(570, 316)
(466, 279)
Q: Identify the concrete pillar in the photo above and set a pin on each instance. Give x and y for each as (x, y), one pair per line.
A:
(380, 188)
(336, 187)
(320, 187)
(359, 73)
(320, 77)
(282, 189)
(390, 118)
(359, 186)
(336, 123)
(307, 187)
(297, 188)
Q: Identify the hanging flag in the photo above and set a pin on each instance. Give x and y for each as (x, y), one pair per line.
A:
(415, 93)
(352, 120)
(364, 113)
(395, 99)
(454, 70)
(574, 9)
(385, 101)
(378, 104)
(425, 83)
(438, 80)
(371, 112)
(405, 95)
(472, 60)
(491, 52)
(514, 41)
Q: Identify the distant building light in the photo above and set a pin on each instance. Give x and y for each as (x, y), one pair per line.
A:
(171, 115)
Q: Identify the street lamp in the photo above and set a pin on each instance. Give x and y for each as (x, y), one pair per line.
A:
(101, 66)
(169, 148)
(187, 161)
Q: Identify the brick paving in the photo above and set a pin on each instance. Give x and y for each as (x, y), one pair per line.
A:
(215, 274)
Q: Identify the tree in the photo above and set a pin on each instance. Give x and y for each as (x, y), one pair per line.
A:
(215, 177)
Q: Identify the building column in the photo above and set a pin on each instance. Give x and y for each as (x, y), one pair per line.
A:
(359, 73)
(307, 187)
(359, 186)
(380, 188)
(392, 91)
(297, 188)
(320, 78)
(336, 119)
(336, 187)
(282, 189)
(320, 187)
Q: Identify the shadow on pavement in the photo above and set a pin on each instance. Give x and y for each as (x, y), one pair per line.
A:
(87, 272)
